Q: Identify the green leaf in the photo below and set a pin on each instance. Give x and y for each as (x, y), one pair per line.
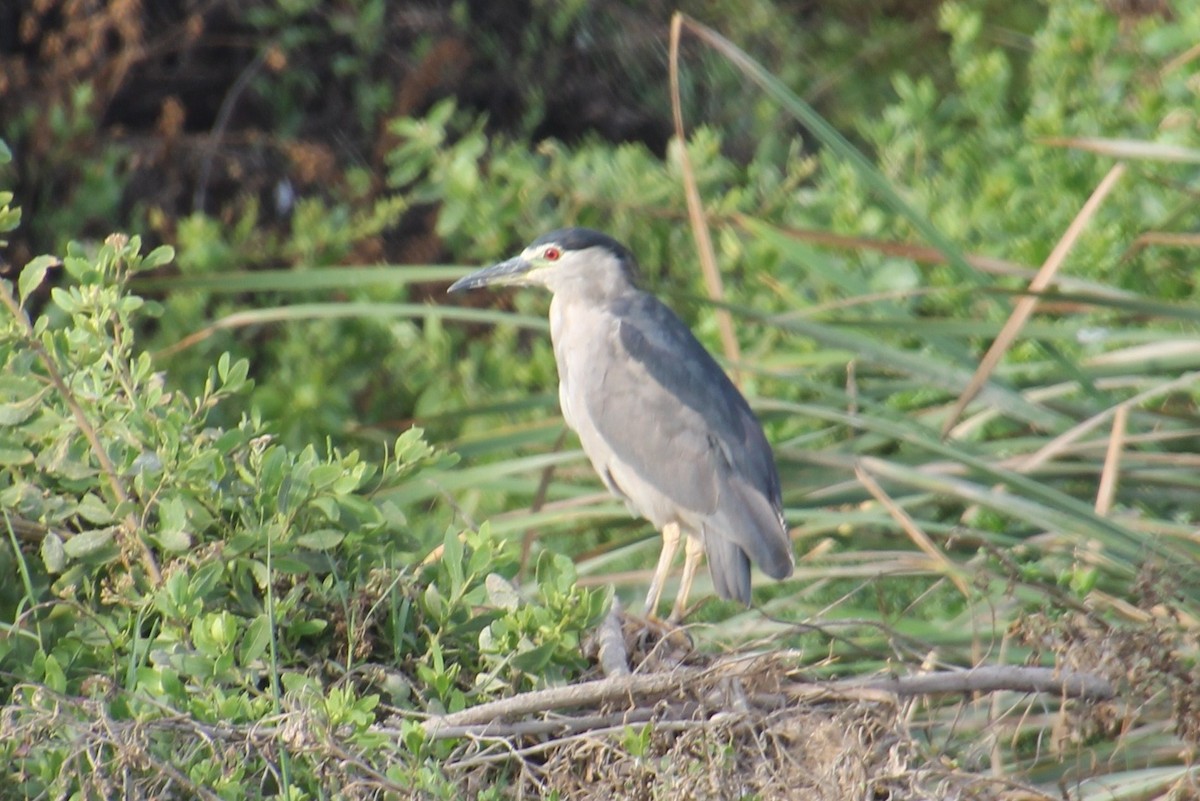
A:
(413, 735)
(9, 219)
(256, 640)
(34, 274)
(535, 660)
(291, 564)
(300, 684)
(88, 542)
(17, 412)
(54, 676)
(174, 541)
(172, 525)
(307, 628)
(324, 539)
(65, 300)
(324, 475)
(328, 507)
(13, 456)
(452, 558)
(53, 555)
(159, 256)
(435, 603)
(94, 510)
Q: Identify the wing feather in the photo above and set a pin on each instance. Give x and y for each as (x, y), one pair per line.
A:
(667, 410)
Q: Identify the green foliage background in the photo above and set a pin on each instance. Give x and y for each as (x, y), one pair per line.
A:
(244, 477)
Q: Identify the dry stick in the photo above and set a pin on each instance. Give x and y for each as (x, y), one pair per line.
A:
(558, 742)
(1112, 462)
(614, 658)
(31, 532)
(89, 433)
(561, 726)
(483, 719)
(382, 781)
(1026, 304)
(587, 694)
(704, 248)
(125, 739)
(990, 678)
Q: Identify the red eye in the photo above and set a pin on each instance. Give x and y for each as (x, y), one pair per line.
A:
(551, 254)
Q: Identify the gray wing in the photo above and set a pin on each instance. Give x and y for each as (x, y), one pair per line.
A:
(668, 411)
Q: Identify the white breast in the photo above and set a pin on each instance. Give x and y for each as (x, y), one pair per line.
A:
(558, 331)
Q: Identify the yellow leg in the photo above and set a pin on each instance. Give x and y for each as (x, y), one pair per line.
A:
(670, 535)
(693, 549)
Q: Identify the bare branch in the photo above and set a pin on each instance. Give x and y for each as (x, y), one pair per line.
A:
(488, 719)
(987, 679)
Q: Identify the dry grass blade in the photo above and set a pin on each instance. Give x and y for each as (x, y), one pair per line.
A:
(1112, 462)
(1160, 239)
(1181, 60)
(1127, 148)
(914, 532)
(1072, 435)
(699, 223)
(1025, 306)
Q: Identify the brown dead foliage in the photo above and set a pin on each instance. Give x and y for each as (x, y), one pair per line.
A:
(737, 731)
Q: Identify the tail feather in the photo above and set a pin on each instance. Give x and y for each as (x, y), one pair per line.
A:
(756, 526)
(729, 567)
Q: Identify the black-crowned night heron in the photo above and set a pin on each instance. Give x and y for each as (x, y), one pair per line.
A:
(662, 424)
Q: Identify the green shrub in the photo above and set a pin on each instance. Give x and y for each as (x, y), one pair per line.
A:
(187, 581)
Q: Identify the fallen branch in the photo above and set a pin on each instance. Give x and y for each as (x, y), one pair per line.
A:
(489, 719)
(587, 694)
(990, 678)
(566, 725)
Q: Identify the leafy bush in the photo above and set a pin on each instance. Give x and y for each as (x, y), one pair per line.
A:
(173, 570)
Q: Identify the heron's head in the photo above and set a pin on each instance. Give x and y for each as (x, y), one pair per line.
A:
(576, 260)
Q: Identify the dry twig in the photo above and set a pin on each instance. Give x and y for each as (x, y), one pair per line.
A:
(1025, 306)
